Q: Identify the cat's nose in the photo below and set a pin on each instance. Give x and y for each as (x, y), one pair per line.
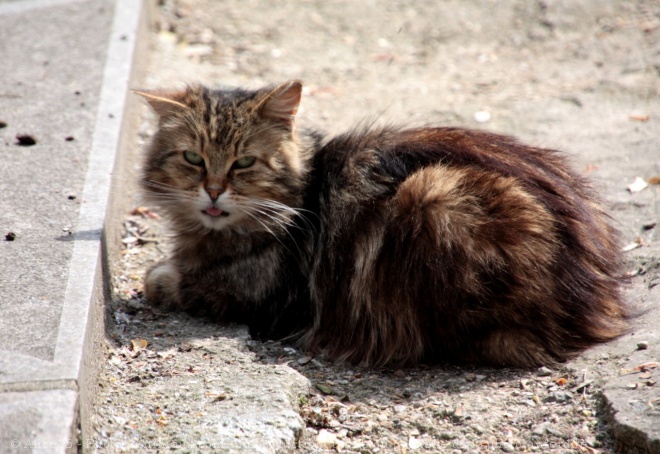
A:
(214, 192)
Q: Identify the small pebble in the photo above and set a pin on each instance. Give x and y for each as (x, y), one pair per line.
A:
(555, 432)
(507, 447)
(414, 443)
(198, 50)
(637, 185)
(2, 124)
(541, 428)
(304, 360)
(10, 236)
(326, 440)
(559, 396)
(325, 389)
(642, 345)
(444, 435)
(544, 372)
(483, 116)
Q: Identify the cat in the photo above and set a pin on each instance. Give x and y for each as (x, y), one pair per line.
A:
(383, 246)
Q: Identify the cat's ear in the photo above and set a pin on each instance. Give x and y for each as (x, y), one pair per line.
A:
(282, 103)
(164, 102)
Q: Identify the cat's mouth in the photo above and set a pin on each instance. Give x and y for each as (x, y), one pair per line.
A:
(215, 212)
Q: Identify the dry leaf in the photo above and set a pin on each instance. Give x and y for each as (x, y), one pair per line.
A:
(217, 397)
(654, 180)
(587, 449)
(637, 117)
(653, 401)
(641, 368)
(590, 168)
(637, 185)
(167, 353)
(138, 344)
(385, 57)
(144, 212)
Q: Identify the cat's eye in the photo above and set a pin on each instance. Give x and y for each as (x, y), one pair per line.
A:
(244, 162)
(193, 158)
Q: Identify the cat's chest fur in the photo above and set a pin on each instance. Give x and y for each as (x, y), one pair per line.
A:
(242, 268)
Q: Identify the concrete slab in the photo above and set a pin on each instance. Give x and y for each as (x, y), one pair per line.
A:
(38, 422)
(632, 398)
(66, 71)
(50, 92)
(634, 408)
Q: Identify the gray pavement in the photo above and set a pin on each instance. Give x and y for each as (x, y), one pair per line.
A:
(65, 67)
(65, 70)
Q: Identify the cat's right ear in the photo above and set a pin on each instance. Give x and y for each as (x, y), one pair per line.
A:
(164, 102)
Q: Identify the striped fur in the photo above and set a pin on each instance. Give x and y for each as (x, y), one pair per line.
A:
(381, 246)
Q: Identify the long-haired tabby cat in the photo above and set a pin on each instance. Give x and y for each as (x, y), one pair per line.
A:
(382, 246)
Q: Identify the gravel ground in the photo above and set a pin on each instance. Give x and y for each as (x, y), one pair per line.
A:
(582, 76)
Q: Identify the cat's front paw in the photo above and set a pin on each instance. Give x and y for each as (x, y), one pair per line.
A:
(161, 286)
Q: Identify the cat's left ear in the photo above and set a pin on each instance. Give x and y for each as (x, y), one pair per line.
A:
(163, 102)
(282, 103)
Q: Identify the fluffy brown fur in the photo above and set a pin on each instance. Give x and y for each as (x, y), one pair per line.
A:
(381, 246)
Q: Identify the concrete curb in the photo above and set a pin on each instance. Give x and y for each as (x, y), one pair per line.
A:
(45, 401)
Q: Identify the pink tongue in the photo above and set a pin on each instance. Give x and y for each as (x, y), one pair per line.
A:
(213, 211)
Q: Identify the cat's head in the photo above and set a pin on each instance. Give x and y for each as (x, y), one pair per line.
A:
(225, 159)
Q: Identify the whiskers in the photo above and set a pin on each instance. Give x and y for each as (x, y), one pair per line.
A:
(276, 213)
(276, 217)
(166, 194)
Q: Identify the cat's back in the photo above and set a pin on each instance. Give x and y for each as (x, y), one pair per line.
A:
(394, 153)
(433, 235)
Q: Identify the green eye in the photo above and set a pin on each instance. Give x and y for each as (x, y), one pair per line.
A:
(193, 158)
(244, 162)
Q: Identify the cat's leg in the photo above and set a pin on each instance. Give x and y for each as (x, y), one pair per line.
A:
(162, 286)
